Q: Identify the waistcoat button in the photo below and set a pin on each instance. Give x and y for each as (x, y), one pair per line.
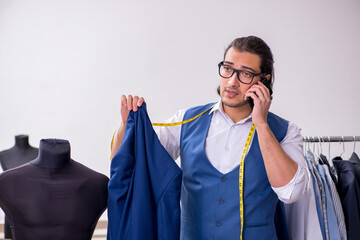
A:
(218, 223)
(221, 201)
(223, 179)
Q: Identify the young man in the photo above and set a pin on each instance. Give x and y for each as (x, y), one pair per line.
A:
(211, 146)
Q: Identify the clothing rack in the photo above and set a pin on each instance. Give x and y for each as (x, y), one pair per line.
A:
(331, 139)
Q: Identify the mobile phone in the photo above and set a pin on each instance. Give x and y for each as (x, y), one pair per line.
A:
(267, 84)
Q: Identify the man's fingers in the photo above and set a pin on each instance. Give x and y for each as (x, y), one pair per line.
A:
(140, 102)
(137, 102)
(129, 102)
(134, 103)
(261, 91)
(264, 89)
(123, 101)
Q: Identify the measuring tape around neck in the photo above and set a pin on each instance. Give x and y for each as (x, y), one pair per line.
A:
(241, 178)
(182, 122)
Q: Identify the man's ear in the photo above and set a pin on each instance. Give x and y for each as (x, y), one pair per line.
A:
(267, 76)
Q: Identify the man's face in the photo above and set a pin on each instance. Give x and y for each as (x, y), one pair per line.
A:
(231, 89)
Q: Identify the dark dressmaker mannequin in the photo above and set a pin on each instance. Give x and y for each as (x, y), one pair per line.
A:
(18, 155)
(53, 197)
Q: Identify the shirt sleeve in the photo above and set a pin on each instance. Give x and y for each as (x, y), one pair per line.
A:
(292, 145)
(170, 136)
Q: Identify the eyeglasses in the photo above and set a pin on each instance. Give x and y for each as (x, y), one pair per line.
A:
(243, 76)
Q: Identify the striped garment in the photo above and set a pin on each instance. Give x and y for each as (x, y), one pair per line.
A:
(333, 226)
(322, 196)
(337, 204)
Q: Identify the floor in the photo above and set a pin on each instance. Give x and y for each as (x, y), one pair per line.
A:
(99, 234)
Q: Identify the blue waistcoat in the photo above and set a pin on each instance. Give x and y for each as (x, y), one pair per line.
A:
(144, 187)
(210, 199)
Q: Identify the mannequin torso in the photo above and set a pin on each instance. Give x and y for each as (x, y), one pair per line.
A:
(53, 196)
(21, 153)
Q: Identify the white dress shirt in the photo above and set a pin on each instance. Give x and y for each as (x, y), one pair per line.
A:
(225, 142)
(302, 217)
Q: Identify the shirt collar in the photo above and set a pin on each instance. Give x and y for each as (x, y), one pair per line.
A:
(218, 107)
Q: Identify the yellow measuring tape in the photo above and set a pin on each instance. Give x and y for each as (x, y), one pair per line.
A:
(241, 178)
(182, 122)
(166, 125)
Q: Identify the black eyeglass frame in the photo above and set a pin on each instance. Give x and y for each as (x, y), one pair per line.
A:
(238, 71)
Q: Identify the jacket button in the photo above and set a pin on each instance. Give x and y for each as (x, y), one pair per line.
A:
(221, 201)
(218, 223)
(223, 179)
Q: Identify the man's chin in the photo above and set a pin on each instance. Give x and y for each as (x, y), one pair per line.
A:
(234, 104)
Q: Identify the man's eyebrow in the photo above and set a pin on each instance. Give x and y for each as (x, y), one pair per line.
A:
(249, 68)
(242, 66)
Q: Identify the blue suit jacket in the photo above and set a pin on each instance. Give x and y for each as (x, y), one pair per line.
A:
(349, 193)
(144, 186)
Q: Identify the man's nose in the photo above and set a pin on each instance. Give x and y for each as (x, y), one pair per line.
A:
(233, 80)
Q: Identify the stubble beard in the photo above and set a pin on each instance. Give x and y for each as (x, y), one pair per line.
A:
(234, 104)
(227, 102)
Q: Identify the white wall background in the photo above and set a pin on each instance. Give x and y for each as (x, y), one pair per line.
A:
(64, 64)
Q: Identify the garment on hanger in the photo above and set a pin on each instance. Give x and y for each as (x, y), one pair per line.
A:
(317, 197)
(302, 215)
(333, 226)
(330, 178)
(321, 201)
(144, 187)
(355, 160)
(341, 185)
(349, 193)
(337, 204)
(331, 167)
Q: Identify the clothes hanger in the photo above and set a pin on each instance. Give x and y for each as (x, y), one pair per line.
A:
(310, 154)
(354, 143)
(354, 157)
(329, 146)
(321, 155)
(322, 158)
(316, 155)
(343, 141)
(320, 141)
(329, 163)
(306, 145)
(313, 141)
(338, 157)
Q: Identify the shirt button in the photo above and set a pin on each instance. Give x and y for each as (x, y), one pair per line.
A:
(221, 201)
(218, 223)
(223, 179)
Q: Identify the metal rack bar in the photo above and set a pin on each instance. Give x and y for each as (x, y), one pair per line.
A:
(331, 139)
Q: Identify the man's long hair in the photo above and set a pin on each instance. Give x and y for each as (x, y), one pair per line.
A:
(256, 46)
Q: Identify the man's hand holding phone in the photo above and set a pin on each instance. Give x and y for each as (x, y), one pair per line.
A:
(259, 97)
